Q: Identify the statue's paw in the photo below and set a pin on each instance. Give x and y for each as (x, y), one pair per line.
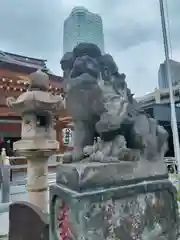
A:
(73, 156)
(77, 156)
(129, 155)
(10, 101)
(87, 151)
(67, 158)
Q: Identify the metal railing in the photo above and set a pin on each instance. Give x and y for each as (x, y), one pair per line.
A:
(5, 177)
(5, 172)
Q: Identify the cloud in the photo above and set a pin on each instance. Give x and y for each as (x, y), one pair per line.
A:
(132, 31)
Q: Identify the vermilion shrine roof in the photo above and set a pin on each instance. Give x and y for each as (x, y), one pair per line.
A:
(22, 60)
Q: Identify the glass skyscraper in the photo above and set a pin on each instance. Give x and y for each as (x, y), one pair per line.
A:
(175, 74)
(82, 26)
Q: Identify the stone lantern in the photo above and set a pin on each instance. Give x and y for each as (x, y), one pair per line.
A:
(38, 108)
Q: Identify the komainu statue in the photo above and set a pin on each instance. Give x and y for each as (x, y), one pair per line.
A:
(102, 105)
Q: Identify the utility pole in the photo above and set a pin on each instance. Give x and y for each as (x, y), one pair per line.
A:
(168, 74)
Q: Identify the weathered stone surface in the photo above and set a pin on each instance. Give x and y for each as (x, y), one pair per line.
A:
(88, 49)
(107, 62)
(38, 80)
(120, 189)
(146, 210)
(37, 107)
(80, 176)
(27, 222)
(37, 143)
(67, 61)
(100, 102)
(84, 88)
(37, 97)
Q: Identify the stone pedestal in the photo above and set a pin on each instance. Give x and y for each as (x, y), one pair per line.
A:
(126, 201)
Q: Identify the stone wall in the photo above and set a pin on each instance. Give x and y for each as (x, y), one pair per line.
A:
(114, 208)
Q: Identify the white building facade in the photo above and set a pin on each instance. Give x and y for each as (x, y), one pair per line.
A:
(160, 96)
(82, 26)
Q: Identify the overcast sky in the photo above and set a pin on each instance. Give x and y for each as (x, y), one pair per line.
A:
(132, 33)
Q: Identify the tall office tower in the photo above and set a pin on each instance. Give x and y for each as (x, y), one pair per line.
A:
(82, 26)
(175, 74)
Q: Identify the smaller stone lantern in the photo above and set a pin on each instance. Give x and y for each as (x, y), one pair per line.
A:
(38, 139)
